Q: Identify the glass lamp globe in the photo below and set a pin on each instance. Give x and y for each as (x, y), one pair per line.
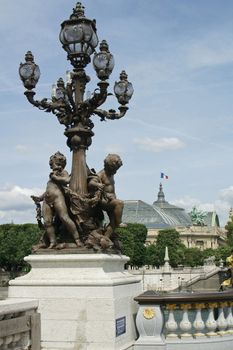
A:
(123, 89)
(78, 37)
(103, 62)
(29, 72)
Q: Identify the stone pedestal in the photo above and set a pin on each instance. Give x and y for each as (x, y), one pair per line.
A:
(85, 300)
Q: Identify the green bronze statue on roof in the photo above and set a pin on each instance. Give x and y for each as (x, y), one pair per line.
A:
(197, 217)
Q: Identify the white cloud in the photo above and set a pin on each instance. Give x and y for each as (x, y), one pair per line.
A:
(17, 198)
(159, 145)
(220, 206)
(204, 56)
(186, 202)
(214, 48)
(227, 194)
(114, 148)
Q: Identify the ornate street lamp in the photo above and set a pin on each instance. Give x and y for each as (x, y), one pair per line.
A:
(79, 39)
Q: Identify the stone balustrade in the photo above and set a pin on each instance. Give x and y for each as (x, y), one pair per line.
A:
(166, 279)
(185, 321)
(19, 325)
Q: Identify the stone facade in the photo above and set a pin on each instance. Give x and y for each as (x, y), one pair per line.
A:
(202, 237)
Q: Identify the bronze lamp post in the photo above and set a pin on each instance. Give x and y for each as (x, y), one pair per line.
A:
(79, 39)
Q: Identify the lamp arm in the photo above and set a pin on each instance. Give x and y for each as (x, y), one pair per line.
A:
(111, 113)
(98, 98)
(61, 109)
(69, 92)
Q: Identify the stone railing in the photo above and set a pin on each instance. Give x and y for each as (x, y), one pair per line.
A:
(19, 325)
(185, 321)
(172, 279)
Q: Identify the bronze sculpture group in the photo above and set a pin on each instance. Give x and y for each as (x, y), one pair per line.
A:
(79, 218)
(73, 206)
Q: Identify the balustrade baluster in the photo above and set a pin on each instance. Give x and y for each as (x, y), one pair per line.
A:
(229, 318)
(185, 324)
(25, 339)
(16, 339)
(211, 324)
(198, 323)
(171, 324)
(221, 321)
(6, 342)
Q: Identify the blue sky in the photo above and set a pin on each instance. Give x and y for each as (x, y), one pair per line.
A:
(179, 56)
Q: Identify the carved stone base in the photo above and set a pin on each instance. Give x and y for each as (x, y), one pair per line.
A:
(85, 300)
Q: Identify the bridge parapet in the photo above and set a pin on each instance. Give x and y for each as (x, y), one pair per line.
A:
(179, 321)
(19, 325)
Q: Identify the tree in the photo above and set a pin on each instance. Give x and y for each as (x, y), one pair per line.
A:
(193, 257)
(222, 253)
(152, 256)
(127, 239)
(229, 229)
(16, 242)
(133, 239)
(170, 238)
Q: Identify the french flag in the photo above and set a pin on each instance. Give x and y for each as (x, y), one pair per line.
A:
(163, 176)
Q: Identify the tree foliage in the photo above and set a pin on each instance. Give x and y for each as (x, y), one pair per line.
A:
(16, 242)
(133, 239)
(127, 239)
(229, 229)
(222, 253)
(193, 257)
(178, 253)
(152, 255)
(170, 238)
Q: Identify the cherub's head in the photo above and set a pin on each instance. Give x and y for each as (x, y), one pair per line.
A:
(112, 163)
(57, 161)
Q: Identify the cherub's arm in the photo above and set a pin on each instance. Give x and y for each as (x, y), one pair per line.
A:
(38, 199)
(95, 183)
(62, 177)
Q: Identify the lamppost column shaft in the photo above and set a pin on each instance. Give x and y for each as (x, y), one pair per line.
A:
(78, 182)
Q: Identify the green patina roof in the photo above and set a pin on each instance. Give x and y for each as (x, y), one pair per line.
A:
(161, 214)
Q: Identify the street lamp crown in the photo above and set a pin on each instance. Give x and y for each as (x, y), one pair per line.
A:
(123, 75)
(78, 11)
(29, 57)
(104, 46)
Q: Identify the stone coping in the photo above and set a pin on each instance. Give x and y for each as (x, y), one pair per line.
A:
(152, 297)
(76, 257)
(16, 305)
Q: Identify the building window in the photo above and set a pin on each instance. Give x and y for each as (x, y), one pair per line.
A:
(200, 244)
